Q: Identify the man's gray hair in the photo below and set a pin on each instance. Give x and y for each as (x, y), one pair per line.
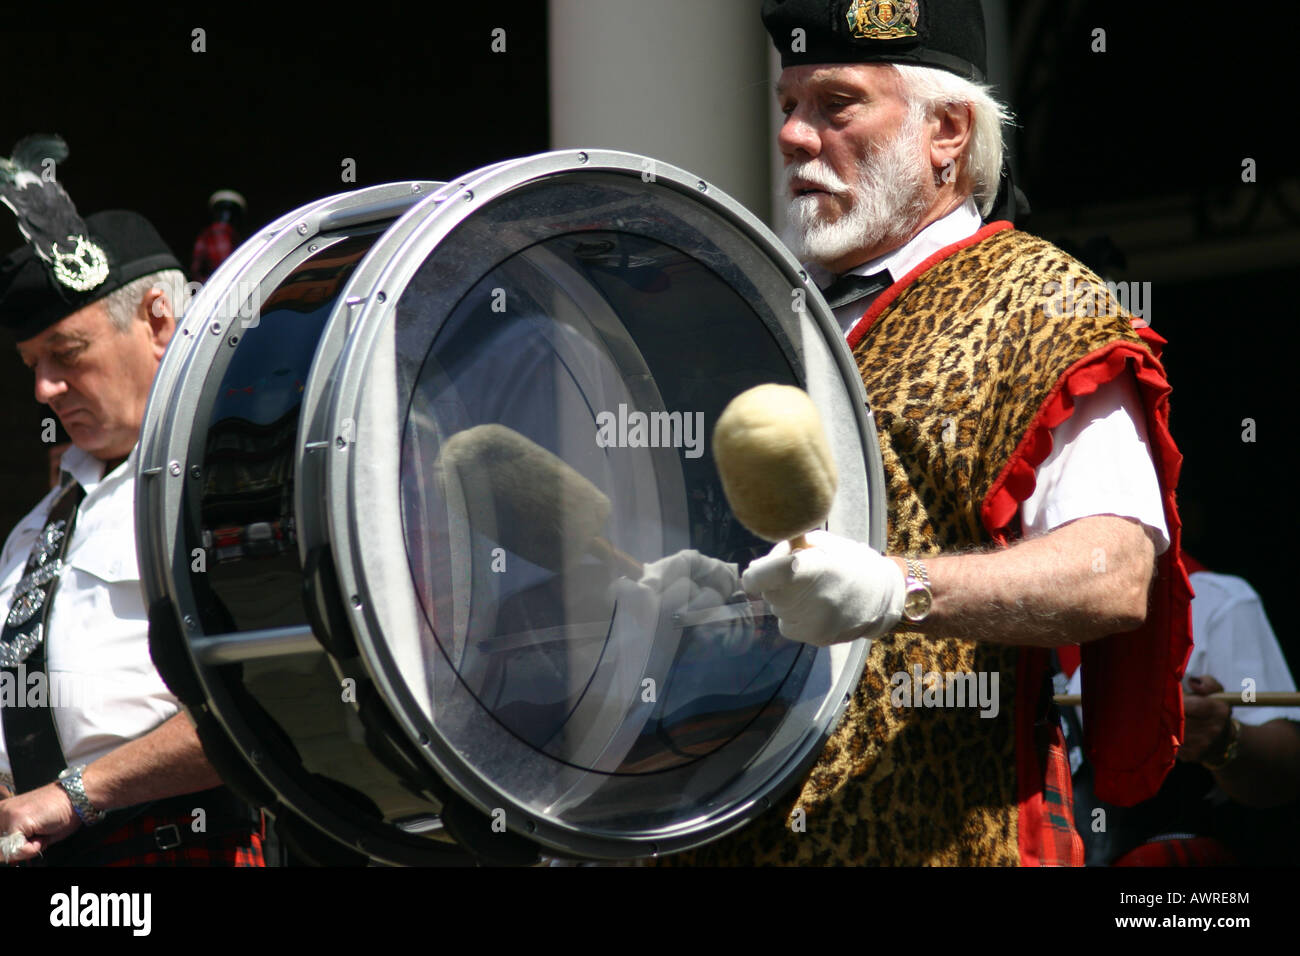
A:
(123, 304)
(926, 88)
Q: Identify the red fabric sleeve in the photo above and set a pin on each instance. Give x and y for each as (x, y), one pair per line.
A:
(1132, 710)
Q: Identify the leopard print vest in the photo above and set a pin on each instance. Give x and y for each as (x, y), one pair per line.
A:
(956, 367)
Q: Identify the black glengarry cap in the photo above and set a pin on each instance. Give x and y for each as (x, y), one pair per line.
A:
(948, 34)
(67, 262)
(31, 299)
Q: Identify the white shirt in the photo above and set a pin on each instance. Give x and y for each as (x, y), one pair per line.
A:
(1100, 463)
(962, 222)
(102, 682)
(1232, 642)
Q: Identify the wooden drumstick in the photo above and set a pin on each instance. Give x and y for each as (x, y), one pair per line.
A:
(775, 463)
(1262, 699)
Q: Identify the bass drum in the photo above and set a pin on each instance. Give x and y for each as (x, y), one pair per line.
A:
(437, 555)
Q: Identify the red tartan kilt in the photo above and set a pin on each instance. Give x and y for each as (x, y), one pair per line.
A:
(228, 849)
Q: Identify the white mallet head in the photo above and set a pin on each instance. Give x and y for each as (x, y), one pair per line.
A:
(775, 462)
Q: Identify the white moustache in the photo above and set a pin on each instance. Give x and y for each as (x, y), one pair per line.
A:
(815, 174)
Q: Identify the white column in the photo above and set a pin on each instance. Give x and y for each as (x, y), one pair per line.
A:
(683, 81)
(778, 220)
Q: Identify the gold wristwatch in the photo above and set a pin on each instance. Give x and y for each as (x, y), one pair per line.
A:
(918, 599)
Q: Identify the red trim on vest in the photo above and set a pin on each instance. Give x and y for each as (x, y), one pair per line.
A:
(883, 301)
(1133, 708)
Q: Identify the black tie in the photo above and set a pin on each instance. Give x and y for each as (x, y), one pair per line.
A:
(850, 288)
(31, 738)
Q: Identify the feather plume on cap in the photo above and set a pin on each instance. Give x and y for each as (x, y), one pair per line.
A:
(46, 215)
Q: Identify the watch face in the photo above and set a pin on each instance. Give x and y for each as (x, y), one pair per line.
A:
(916, 604)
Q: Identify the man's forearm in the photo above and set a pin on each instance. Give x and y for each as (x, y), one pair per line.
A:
(1084, 581)
(165, 762)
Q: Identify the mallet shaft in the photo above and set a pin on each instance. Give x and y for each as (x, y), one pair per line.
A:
(1262, 699)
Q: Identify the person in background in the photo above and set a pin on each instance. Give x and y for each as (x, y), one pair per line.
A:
(101, 767)
(1230, 799)
(221, 236)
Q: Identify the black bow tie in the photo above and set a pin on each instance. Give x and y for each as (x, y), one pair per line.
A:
(850, 288)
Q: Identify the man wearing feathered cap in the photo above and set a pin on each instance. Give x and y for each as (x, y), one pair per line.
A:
(1030, 470)
(93, 743)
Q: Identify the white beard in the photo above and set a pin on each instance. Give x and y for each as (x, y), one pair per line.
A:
(887, 202)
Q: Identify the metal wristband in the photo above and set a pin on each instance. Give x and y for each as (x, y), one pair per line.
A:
(918, 599)
(70, 781)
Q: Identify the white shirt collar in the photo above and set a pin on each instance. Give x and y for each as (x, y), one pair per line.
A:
(962, 223)
(89, 470)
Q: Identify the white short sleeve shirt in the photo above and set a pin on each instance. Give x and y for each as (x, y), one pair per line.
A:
(102, 683)
(1234, 643)
(1100, 463)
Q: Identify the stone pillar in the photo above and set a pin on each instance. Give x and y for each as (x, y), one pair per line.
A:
(683, 81)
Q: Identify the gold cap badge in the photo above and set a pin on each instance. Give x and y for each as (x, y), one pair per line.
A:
(882, 19)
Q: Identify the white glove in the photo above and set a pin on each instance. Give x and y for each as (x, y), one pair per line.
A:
(709, 582)
(690, 581)
(11, 843)
(835, 591)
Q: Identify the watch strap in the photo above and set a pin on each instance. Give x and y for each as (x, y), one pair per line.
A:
(71, 782)
(916, 580)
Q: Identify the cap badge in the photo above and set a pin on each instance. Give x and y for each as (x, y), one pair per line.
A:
(882, 19)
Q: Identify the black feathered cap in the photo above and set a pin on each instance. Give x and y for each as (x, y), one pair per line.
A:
(948, 34)
(31, 299)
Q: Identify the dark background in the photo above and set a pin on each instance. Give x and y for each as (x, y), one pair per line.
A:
(271, 109)
(1182, 94)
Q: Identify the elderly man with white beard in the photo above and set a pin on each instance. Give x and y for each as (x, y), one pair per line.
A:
(1029, 468)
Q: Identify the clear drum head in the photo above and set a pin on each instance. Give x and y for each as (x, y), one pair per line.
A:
(564, 632)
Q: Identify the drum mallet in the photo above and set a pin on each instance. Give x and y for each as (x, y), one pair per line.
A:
(775, 463)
